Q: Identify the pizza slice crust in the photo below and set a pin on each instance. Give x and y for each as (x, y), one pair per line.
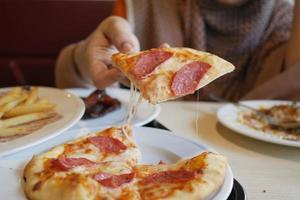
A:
(205, 185)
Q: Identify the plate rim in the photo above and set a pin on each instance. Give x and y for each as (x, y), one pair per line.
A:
(249, 132)
(79, 113)
(154, 115)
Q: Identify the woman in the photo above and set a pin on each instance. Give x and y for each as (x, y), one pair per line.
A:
(258, 36)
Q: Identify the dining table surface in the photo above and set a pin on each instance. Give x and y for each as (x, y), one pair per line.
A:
(265, 170)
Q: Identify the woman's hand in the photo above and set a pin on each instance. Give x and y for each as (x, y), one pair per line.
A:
(93, 56)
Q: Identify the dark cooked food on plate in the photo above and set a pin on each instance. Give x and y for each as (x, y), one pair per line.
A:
(99, 103)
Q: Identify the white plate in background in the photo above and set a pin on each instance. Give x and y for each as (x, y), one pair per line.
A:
(146, 112)
(169, 148)
(69, 106)
(228, 116)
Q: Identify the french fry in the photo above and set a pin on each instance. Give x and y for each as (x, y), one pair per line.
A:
(26, 109)
(8, 98)
(32, 96)
(7, 107)
(19, 107)
(15, 121)
(16, 90)
(42, 101)
(6, 132)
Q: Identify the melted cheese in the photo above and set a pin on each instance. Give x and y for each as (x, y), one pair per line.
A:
(198, 113)
(134, 99)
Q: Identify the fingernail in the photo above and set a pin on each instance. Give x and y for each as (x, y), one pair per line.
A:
(164, 45)
(127, 47)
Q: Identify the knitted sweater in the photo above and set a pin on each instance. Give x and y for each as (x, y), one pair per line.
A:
(244, 35)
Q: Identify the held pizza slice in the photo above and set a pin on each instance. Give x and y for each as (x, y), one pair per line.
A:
(196, 178)
(162, 74)
(74, 170)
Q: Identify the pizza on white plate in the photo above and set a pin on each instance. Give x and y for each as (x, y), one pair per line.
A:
(74, 170)
(104, 165)
(162, 74)
(288, 114)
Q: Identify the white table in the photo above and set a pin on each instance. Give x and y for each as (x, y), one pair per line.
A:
(265, 170)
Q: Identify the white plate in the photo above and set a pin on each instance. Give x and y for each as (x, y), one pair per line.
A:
(169, 148)
(69, 106)
(146, 112)
(228, 116)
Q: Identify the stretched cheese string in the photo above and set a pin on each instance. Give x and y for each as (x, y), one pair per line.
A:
(138, 99)
(130, 105)
(197, 112)
(124, 130)
(134, 100)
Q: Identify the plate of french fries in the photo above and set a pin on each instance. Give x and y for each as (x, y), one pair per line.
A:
(31, 115)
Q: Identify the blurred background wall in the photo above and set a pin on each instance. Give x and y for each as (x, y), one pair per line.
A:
(33, 32)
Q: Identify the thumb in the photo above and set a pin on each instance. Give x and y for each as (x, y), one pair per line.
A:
(119, 32)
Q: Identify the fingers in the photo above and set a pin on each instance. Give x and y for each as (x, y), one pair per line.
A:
(164, 45)
(105, 78)
(119, 32)
(125, 81)
(101, 74)
(114, 34)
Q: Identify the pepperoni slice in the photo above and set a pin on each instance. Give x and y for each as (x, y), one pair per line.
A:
(63, 163)
(148, 61)
(172, 176)
(107, 144)
(187, 78)
(113, 181)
